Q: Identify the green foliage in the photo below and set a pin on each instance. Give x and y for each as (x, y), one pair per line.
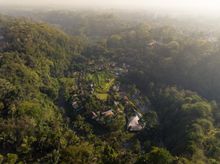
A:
(1, 158)
(150, 119)
(11, 158)
(110, 156)
(157, 155)
(43, 70)
(82, 153)
(34, 58)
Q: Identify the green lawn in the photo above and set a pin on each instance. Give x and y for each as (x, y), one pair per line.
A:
(102, 84)
(102, 96)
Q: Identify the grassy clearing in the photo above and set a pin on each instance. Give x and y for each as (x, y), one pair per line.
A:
(103, 81)
(102, 96)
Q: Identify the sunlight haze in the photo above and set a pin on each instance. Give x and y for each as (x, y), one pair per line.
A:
(194, 5)
(110, 81)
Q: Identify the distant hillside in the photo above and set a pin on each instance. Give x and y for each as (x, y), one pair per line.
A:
(33, 56)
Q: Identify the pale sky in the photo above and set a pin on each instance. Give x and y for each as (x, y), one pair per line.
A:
(203, 5)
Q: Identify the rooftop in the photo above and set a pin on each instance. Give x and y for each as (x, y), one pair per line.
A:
(133, 124)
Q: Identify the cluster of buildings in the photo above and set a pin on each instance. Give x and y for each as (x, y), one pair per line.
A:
(134, 123)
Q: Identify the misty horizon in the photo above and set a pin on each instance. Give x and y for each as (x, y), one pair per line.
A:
(196, 6)
(104, 82)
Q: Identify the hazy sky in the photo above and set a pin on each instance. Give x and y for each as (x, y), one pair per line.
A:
(202, 5)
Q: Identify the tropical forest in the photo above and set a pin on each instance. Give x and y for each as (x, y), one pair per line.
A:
(108, 86)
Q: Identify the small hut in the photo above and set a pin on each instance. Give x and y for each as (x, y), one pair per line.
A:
(108, 113)
(94, 115)
(75, 104)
